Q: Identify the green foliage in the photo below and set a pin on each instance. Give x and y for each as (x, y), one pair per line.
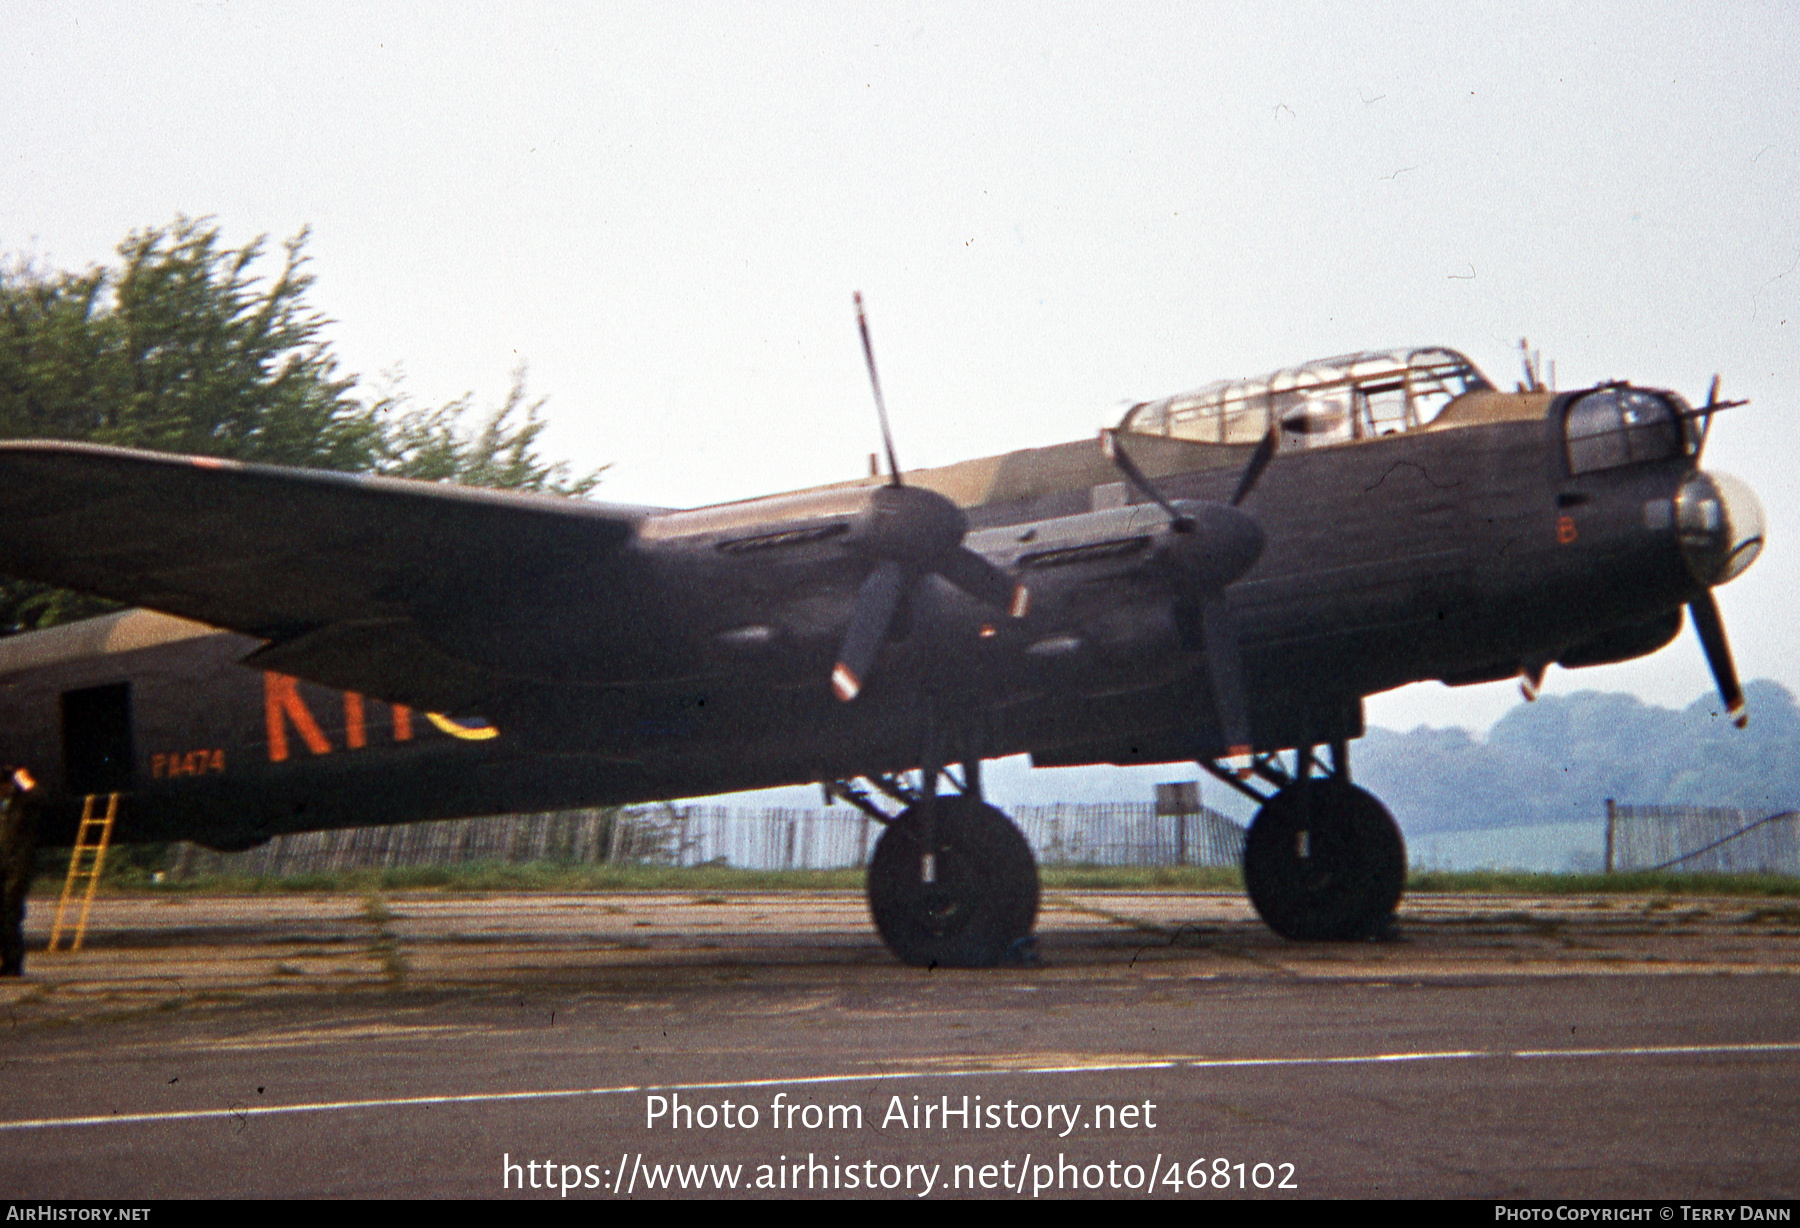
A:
(482, 877)
(1642, 882)
(180, 348)
(28, 606)
(431, 445)
(186, 346)
(559, 876)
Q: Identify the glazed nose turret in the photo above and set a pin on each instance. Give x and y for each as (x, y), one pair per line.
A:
(1721, 526)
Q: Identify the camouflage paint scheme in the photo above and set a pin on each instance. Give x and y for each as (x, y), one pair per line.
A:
(626, 654)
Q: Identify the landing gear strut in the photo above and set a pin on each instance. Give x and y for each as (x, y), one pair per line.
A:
(1324, 860)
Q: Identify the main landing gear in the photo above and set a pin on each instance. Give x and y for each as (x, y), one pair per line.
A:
(1324, 859)
(952, 882)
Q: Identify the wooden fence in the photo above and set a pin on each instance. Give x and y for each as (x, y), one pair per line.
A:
(1109, 834)
(1701, 839)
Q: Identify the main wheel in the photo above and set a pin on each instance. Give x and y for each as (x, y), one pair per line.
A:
(1324, 860)
(984, 896)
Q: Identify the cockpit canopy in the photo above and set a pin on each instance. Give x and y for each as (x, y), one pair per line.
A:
(1333, 400)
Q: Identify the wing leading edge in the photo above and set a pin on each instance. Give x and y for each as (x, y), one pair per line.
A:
(345, 575)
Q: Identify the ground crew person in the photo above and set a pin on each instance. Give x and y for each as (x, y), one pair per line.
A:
(18, 862)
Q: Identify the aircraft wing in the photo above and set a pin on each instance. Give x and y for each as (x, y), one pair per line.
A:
(338, 571)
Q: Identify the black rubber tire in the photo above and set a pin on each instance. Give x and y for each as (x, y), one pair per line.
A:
(985, 899)
(1353, 871)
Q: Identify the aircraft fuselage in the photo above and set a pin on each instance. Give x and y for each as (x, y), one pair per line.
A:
(1463, 553)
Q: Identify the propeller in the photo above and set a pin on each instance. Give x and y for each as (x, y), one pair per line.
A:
(1218, 544)
(887, 437)
(1705, 415)
(1705, 611)
(1720, 526)
(907, 533)
(1259, 460)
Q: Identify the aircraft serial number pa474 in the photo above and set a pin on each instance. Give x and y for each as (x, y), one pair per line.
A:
(1222, 579)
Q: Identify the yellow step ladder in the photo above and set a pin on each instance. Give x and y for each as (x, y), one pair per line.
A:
(92, 837)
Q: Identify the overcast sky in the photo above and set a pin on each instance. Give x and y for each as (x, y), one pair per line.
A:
(1053, 212)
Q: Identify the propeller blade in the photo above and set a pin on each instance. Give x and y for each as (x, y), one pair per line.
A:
(887, 438)
(1218, 625)
(873, 614)
(1705, 611)
(1702, 417)
(1115, 452)
(1259, 460)
(1531, 681)
(983, 581)
(1224, 665)
(1705, 415)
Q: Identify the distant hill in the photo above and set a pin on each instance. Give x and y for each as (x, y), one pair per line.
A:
(1560, 758)
(1554, 761)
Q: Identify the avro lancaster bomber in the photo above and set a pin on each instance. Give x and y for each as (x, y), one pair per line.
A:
(1222, 579)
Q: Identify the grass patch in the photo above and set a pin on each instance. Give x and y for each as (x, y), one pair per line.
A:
(480, 877)
(477, 877)
(1644, 882)
(1142, 878)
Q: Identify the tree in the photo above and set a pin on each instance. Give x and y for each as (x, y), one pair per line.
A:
(184, 347)
(181, 348)
(430, 444)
